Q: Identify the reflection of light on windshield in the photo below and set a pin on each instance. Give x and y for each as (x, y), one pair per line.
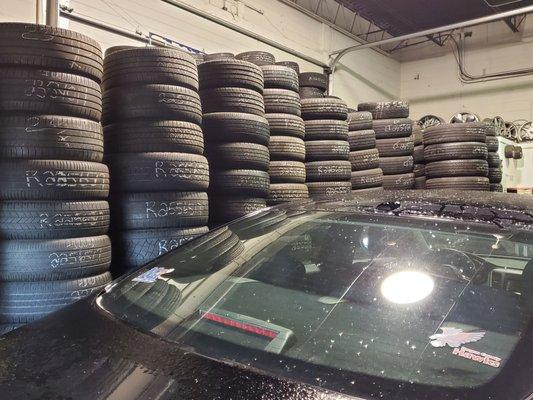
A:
(365, 242)
(407, 287)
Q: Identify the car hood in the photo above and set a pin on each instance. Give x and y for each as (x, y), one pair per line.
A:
(79, 353)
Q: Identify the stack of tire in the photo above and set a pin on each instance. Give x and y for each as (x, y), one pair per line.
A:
(364, 156)
(313, 85)
(287, 148)
(456, 156)
(494, 161)
(154, 148)
(54, 217)
(418, 157)
(328, 169)
(393, 131)
(237, 136)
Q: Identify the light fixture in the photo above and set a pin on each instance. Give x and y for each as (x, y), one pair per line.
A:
(406, 287)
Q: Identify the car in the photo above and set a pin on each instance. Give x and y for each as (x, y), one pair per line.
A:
(393, 295)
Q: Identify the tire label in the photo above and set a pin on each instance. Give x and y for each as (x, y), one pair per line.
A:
(62, 258)
(58, 178)
(61, 220)
(182, 170)
(165, 245)
(160, 209)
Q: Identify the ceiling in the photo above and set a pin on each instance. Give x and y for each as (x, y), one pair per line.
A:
(398, 17)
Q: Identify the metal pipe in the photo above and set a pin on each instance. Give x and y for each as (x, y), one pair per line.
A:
(246, 32)
(52, 13)
(38, 12)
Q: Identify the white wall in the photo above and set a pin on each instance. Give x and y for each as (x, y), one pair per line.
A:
(367, 75)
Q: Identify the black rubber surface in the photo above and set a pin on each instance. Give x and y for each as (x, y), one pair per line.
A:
(399, 181)
(282, 101)
(367, 179)
(280, 77)
(392, 128)
(362, 139)
(230, 73)
(328, 171)
(286, 125)
(287, 172)
(384, 110)
(284, 192)
(325, 108)
(364, 159)
(318, 150)
(240, 182)
(238, 155)
(454, 168)
(286, 148)
(324, 129)
(231, 99)
(329, 189)
(396, 165)
(455, 151)
(459, 183)
(225, 127)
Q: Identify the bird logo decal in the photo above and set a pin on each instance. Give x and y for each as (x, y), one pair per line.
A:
(454, 337)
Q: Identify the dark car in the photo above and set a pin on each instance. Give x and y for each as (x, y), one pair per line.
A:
(386, 295)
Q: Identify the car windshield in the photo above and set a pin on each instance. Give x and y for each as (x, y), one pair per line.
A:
(406, 300)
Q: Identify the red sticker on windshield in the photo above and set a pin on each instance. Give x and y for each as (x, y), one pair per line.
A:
(477, 356)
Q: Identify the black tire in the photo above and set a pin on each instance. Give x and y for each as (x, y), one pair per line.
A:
(362, 139)
(227, 127)
(325, 108)
(51, 137)
(151, 102)
(53, 180)
(454, 168)
(328, 171)
(51, 260)
(158, 172)
(287, 172)
(55, 49)
(492, 144)
(450, 133)
(314, 80)
(225, 209)
(286, 125)
(326, 130)
(329, 189)
(284, 192)
(322, 150)
(306, 92)
(396, 165)
(282, 101)
(364, 159)
(230, 99)
(240, 182)
(367, 190)
(286, 148)
(495, 175)
(230, 73)
(41, 92)
(496, 187)
(399, 182)
(140, 136)
(369, 178)
(160, 210)
(114, 49)
(455, 151)
(53, 219)
(420, 182)
(459, 183)
(393, 128)
(28, 301)
(419, 170)
(238, 156)
(385, 110)
(360, 120)
(139, 247)
(150, 65)
(218, 56)
(395, 147)
(418, 154)
(291, 64)
(494, 160)
(418, 136)
(280, 77)
(257, 57)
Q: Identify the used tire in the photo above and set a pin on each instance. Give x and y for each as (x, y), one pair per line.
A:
(307, 92)
(419, 170)
(51, 137)
(395, 147)
(495, 175)
(496, 187)
(418, 154)
(453, 168)
(51, 260)
(257, 57)
(325, 108)
(139, 136)
(219, 56)
(231, 99)
(360, 120)
(396, 165)
(286, 125)
(392, 128)
(155, 210)
(494, 160)
(151, 102)
(238, 155)
(385, 110)
(367, 179)
(328, 171)
(362, 139)
(226, 209)
(364, 159)
(282, 101)
(42, 92)
(326, 130)
(399, 182)
(284, 192)
(53, 219)
(455, 151)
(287, 172)
(291, 64)
(450, 133)
(53, 180)
(492, 143)
(241, 182)
(420, 182)
(329, 189)
(459, 183)
(286, 148)
(158, 172)
(230, 73)
(225, 127)
(318, 150)
(280, 77)
(314, 80)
